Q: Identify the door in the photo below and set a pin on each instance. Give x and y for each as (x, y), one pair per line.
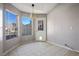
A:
(40, 29)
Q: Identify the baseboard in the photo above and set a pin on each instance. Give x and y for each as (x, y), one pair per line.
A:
(62, 46)
(5, 53)
(40, 41)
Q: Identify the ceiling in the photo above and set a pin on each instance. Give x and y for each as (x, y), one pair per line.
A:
(39, 8)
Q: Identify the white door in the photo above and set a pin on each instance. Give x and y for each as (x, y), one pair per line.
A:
(40, 29)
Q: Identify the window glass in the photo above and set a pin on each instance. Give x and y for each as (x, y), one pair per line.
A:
(10, 25)
(26, 26)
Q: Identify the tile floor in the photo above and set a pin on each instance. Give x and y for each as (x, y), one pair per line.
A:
(41, 49)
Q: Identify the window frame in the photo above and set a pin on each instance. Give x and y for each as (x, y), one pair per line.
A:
(31, 26)
(7, 10)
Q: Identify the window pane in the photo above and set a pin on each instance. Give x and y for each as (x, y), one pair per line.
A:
(10, 25)
(26, 26)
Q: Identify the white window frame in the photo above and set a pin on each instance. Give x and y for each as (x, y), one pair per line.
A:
(16, 22)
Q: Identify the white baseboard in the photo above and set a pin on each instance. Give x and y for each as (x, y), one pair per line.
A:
(5, 53)
(62, 46)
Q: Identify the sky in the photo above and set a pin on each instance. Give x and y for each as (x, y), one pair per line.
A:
(11, 18)
(26, 20)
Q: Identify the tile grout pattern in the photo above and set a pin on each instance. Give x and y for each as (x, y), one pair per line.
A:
(41, 49)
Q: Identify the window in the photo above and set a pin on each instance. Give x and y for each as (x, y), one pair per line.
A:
(40, 25)
(10, 25)
(26, 26)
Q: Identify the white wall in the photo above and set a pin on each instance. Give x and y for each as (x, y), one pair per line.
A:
(63, 25)
(1, 29)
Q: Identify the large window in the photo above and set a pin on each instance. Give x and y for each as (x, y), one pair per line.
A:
(26, 26)
(10, 25)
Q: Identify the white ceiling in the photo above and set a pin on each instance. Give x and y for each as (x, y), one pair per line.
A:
(39, 8)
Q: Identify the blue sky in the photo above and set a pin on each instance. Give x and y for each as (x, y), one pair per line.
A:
(11, 18)
(26, 20)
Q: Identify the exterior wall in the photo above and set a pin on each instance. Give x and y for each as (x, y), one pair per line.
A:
(63, 25)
